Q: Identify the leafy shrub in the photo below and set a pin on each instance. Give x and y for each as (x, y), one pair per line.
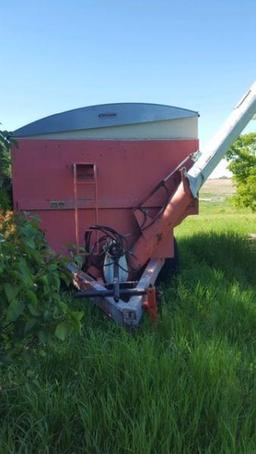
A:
(242, 157)
(5, 170)
(33, 310)
(5, 199)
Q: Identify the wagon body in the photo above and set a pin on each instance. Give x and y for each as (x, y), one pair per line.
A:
(95, 165)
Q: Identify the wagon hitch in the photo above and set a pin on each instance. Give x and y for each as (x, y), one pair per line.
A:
(107, 292)
(134, 297)
(149, 304)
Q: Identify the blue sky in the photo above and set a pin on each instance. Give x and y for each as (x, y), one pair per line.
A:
(59, 55)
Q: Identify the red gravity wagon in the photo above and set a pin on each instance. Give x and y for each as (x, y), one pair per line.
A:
(112, 181)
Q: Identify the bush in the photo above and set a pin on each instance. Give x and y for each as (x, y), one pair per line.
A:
(5, 171)
(5, 199)
(33, 311)
(242, 157)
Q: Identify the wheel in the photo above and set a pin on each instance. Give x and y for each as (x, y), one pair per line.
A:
(170, 267)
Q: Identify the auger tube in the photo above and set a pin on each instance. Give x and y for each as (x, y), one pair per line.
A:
(218, 146)
(192, 180)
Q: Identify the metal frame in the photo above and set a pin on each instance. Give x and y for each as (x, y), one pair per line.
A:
(124, 313)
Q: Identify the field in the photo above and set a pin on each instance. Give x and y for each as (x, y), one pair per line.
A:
(223, 187)
(184, 385)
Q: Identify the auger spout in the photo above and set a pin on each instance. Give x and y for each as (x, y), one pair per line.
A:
(218, 146)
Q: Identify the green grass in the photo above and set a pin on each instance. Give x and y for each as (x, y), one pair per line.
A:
(186, 385)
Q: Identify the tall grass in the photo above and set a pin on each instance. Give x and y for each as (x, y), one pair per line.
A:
(186, 385)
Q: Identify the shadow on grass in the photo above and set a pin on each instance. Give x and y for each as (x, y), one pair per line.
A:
(215, 291)
(230, 253)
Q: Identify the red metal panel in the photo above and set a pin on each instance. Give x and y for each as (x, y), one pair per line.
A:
(126, 172)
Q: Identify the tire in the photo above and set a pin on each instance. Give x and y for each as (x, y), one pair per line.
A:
(170, 267)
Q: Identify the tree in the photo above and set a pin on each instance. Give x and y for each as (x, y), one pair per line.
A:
(242, 158)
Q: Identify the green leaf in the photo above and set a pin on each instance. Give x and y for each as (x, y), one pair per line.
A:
(29, 325)
(11, 292)
(43, 336)
(31, 296)
(62, 330)
(66, 277)
(26, 273)
(76, 317)
(14, 310)
(30, 243)
(33, 310)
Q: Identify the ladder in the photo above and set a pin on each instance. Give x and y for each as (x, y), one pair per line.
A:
(84, 176)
